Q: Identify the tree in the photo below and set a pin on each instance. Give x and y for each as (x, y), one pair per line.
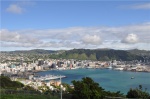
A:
(70, 56)
(75, 56)
(87, 89)
(138, 93)
(82, 56)
(92, 57)
(106, 58)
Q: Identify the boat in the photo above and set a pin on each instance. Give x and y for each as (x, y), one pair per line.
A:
(118, 68)
(132, 77)
(89, 67)
(109, 67)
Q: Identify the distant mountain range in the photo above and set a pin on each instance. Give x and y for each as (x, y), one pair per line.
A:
(92, 54)
(34, 51)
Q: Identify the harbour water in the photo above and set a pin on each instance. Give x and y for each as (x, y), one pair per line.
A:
(110, 80)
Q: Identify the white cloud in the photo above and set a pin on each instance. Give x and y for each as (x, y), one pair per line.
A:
(123, 37)
(141, 6)
(14, 36)
(131, 38)
(14, 8)
(18, 7)
(91, 39)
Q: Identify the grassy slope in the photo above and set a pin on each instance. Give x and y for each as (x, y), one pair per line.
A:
(26, 96)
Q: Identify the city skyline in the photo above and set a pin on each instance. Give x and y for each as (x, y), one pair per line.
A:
(56, 25)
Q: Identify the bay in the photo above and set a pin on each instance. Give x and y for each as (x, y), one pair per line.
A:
(110, 80)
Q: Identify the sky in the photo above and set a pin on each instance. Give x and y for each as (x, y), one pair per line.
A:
(63, 24)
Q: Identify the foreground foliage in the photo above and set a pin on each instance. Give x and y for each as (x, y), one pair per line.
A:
(88, 89)
(138, 93)
(27, 96)
(85, 88)
(6, 82)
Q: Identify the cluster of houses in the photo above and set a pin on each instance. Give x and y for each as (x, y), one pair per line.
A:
(39, 65)
(63, 64)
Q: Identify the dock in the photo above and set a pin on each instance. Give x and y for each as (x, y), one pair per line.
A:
(49, 77)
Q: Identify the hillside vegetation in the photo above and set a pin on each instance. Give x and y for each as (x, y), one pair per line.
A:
(98, 54)
(82, 54)
(6, 82)
(139, 52)
(34, 51)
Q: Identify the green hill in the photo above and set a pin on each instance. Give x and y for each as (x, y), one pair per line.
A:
(98, 54)
(34, 51)
(140, 52)
(88, 54)
(6, 82)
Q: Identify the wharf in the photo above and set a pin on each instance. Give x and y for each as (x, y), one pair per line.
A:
(49, 77)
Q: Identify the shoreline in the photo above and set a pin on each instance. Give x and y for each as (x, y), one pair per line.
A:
(36, 71)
